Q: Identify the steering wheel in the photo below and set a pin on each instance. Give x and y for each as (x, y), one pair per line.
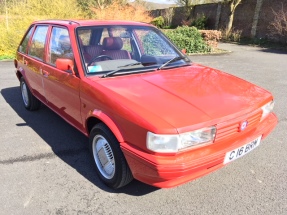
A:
(97, 57)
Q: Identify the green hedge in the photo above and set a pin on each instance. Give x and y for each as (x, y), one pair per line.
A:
(158, 21)
(188, 38)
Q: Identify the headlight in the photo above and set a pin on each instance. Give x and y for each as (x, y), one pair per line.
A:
(162, 142)
(266, 109)
(174, 143)
(194, 138)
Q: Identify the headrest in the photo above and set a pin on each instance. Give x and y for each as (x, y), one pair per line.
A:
(112, 43)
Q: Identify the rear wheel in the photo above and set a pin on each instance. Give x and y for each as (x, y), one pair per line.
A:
(111, 164)
(30, 101)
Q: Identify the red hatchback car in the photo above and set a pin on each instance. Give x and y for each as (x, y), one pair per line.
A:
(149, 112)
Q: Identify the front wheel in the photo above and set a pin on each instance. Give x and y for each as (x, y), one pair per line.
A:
(30, 101)
(111, 164)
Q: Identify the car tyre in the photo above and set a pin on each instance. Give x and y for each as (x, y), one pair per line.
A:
(111, 165)
(29, 100)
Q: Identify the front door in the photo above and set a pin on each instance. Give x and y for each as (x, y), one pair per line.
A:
(61, 87)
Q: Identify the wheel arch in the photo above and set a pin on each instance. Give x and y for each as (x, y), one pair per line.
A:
(98, 116)
(19, 75)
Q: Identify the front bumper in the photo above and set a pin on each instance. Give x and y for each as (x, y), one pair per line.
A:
(171, 170)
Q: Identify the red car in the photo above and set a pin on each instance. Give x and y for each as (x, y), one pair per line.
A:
(149, 112)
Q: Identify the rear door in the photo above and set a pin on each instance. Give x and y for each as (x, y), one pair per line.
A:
(34, 61)
(61, 87)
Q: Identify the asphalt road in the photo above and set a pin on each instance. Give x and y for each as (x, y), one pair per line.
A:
(45, 167)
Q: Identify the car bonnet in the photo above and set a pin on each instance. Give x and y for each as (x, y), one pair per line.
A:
(188, 96)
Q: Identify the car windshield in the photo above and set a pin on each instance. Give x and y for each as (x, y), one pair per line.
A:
(126, 49)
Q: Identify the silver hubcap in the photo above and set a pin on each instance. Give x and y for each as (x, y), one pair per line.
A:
(25, 94)
(103, 156)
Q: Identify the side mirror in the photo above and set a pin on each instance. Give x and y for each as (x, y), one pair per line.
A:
(66, 65)
(183, 51)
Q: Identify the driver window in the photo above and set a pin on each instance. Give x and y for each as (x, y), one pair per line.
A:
(60, 45)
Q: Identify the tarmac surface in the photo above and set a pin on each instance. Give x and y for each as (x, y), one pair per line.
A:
(45, 167)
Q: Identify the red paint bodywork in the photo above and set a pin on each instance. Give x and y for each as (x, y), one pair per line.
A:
(164, 102)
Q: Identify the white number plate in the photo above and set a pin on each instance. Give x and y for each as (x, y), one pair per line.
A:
(241, 151)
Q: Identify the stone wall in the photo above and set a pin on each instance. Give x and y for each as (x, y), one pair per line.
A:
(244, 16)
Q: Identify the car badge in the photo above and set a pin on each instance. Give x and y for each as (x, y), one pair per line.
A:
(243, 125)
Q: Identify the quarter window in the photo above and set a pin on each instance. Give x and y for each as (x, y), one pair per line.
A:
(37, 48)
(60, 45)
(23, 46)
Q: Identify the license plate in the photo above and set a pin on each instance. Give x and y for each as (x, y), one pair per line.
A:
(241, 151)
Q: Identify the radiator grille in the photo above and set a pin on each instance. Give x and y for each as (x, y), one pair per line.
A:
(231, 127)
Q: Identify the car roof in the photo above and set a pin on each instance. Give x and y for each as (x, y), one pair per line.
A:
(91, 22)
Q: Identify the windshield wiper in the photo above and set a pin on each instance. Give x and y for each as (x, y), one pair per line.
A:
(171, 61)
(118, 70)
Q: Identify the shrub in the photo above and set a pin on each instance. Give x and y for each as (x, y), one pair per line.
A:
(211, 37)
(232, 35)
(118, 11)
(167, 14)
(200, 22)
(22, 13)
(278, 27)
(158, 21)
(188, 38)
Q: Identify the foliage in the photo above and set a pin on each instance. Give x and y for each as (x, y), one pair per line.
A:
(200, 22)
(14, 26)
(20, 14)
(278, 27)
(98, 4)
(185, 3)
(197, 2)
(167, 14)
(4, 57)
(158, 21)
(232, 35)
(188, 38)
(168, 27)
(211, 37)
(117, 11)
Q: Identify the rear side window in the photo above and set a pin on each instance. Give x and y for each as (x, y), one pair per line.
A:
(37, 48)
(60, 45)
(24, 45)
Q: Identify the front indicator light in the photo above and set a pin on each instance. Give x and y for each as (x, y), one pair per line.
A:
(266, 109)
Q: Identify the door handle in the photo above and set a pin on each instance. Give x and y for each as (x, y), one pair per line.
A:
(45, 73)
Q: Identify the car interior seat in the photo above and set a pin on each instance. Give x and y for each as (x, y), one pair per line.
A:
(112, 47)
